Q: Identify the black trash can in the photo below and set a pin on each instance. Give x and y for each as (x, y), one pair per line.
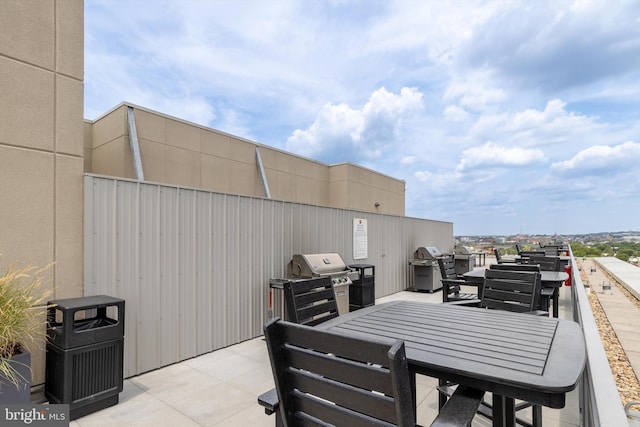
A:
(85, 352)
(362, 292)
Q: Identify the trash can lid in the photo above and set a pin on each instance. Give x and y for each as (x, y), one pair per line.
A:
(86, 302)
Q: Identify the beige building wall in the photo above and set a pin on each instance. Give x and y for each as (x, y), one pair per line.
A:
(362, 189)
(41, 142)
(177, 152)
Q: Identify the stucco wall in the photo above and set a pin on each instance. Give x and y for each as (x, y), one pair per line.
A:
(41, 141)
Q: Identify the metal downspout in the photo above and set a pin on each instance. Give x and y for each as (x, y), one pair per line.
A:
(135, 146)
(265, 183)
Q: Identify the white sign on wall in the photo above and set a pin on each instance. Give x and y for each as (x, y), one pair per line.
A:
(360, 244)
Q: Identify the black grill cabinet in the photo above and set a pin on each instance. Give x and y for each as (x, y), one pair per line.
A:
(85, 352)
(362, 292)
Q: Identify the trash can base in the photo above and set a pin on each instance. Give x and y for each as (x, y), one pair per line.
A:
(90, 408)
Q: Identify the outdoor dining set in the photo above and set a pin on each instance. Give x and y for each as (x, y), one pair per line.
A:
(495, 352)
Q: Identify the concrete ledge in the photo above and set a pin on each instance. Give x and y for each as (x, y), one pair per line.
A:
(626, 274)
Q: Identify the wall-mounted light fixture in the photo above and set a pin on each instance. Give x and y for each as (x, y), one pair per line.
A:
(376, 204)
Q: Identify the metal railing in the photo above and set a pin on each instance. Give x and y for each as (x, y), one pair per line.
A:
(599, 401)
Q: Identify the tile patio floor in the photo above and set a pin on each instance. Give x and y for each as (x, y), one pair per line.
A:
(221, 389)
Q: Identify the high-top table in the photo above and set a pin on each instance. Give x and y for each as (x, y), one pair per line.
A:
(549, 279)
(513, 355)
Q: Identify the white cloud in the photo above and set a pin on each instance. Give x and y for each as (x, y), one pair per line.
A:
(351, 132)
(426, 176)
(408, 160)
(601, 159)
(474, 91)
(534, 128)
(491, 155)
(455, 114)
(553, 124)
(554, 110)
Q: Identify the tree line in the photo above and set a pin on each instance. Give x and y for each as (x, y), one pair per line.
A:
(621, 250)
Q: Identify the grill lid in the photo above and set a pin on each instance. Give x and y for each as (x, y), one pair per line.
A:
(430, 252)
(463, 250)
(311, 265)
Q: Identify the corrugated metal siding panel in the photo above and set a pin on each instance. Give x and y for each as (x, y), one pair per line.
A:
(149, 292)
(194, 266)
(186, 273)
(204, 249)
(168, 286)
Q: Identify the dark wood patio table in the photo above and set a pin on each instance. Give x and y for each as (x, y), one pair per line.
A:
(513, 355)
(549, 279)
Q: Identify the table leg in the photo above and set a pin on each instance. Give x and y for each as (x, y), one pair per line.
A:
(504, 411)
(556, 296)
(510, 412)
(497, 411)
(537, 416)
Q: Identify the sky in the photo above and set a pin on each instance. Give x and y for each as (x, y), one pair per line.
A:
(502, 117)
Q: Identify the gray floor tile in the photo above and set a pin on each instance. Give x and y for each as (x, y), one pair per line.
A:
(214, 404)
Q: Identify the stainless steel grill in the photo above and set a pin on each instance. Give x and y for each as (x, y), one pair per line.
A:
(308, 266)
(319, 265)
(429, 253)
(463, 250)
(426, 271)
(465, 259)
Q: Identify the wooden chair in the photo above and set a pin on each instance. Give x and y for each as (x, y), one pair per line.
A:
(451, 282)
(509, 290)
(323, 378)
(523, 256)
(518, 248)
(516, 291)
(310, 302)
(502, 260)
(545, 293)
(546, 263)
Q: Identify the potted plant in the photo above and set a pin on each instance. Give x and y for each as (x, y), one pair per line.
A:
(20, 329)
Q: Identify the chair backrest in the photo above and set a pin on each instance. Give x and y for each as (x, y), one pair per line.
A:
(324, 378)
(524, 255)
(497, 253)
(510, 290)
(518, 248)
(551, 250)
(546, 263)
(516, 267)
(311, 301)
(448, 266)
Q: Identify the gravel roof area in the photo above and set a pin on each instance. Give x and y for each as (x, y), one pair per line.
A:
(624, 375)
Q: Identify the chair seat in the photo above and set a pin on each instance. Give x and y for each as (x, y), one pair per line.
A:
(462, 297)
(451, 282)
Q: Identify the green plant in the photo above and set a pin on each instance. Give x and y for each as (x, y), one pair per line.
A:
(21, 295)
